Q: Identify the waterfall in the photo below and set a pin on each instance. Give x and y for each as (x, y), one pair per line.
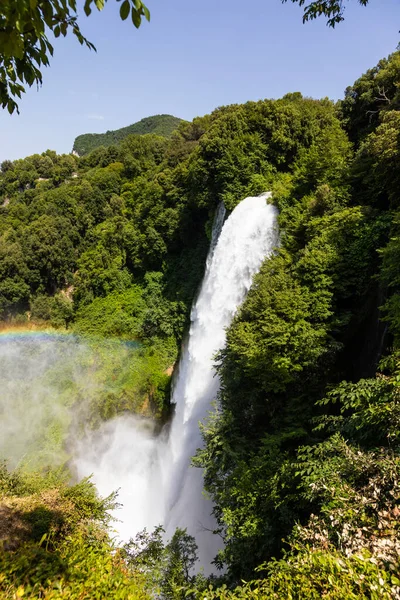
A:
(157, 483)
(247, 237)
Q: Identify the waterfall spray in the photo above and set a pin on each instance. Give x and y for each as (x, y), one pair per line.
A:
(154, 474)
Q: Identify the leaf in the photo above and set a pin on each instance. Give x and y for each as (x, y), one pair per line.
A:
(99, 4)
(87, 8)
(136, 18)
(124, 10)
(146, 12)
(49, 47)
(47, 11)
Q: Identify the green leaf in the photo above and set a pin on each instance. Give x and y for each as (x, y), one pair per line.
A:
(146, 12)
(87, 8)
(136, 18)
(50, 47)
(47, 10)
(124, 10)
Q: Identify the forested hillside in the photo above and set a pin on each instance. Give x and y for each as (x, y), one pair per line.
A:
(301, 454)
(162, 125)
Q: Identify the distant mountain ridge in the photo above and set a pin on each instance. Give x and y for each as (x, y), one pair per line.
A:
(162, 125)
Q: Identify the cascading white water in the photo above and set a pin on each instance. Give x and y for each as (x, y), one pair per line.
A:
(247, 237)
(156, 481)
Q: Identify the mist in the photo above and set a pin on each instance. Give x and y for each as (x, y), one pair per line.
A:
(125, 455)
(53, 389)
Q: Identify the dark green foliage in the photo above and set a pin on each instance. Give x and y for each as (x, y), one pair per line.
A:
(168, 567)
(119, 314)
(57, 310)
(314, 574)
(333, 10)
(25, 47)
(162, 125)
(97, 233)
(256, 140)
(374, 93)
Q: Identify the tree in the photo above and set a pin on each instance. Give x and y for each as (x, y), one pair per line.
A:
(373, 94)
(332, 9)
(168, 567)
(24, 43)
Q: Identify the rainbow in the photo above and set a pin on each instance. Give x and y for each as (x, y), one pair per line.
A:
(36, 333)
(22, 332)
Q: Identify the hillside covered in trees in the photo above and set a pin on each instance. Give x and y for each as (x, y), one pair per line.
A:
(162, 125)
(301, 453)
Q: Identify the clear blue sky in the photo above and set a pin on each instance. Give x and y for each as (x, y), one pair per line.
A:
(191, 58)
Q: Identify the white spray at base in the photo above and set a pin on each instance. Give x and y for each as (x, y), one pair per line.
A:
(157, 484)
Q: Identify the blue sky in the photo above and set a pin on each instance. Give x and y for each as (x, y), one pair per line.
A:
(192, 57)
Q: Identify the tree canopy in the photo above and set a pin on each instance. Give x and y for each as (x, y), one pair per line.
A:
(162, 125)
(24, 38)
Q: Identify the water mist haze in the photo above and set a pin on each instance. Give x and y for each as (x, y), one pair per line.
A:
(41, 376)
(51, 385)
(52, 388)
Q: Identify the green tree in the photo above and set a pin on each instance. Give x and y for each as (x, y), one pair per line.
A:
(24, 42)
(168, 567)
(333, 10)
(377, 91)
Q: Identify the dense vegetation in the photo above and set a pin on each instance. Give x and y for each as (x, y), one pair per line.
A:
(301, 455)
(54, 543)
(162, 125)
